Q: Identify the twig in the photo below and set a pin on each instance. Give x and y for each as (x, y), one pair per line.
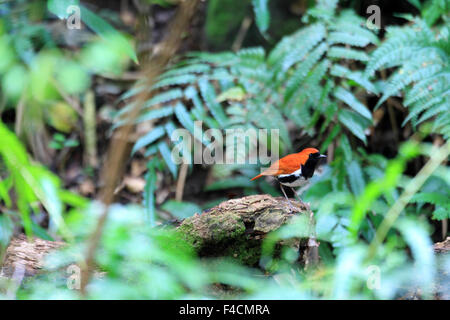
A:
(181, 181)
(90, 155)
(246, 23)
(19, 114)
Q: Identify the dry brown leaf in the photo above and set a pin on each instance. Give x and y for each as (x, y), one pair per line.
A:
(134, 184)
(87, 187)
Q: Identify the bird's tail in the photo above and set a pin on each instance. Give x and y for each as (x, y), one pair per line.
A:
(257, 177)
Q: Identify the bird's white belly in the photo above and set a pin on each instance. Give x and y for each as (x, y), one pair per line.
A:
(295, 179)
(300, 182)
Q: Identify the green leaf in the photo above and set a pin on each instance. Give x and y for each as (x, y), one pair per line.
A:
(72, 77)
(155, 114)
(184, 117)
(105, 30)
(262, 14)
(441, 213)
(433, 198)
(6, 231)
(167, 156)
(148, 138)
(353, 122)
(59, 7)
(346, 53)
(5, 186)
(181, 209)
(355, 177)
(234, 93)
(348, 98)
(209, 95)
(358, 77)
(346, 148)
(14, 81)
(149, 193)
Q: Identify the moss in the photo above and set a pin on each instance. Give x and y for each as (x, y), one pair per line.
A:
(246, 251)
(211, 230)
(187, 233)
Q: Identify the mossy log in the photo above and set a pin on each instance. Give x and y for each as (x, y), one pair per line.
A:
(236, 228)
(26, 256)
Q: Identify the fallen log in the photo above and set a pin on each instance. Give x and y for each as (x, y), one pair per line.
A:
(237, 227)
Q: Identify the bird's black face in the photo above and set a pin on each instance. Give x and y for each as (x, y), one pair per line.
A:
(316, 156)
(310, 165)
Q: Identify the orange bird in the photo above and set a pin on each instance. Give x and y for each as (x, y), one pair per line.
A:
(294, 169)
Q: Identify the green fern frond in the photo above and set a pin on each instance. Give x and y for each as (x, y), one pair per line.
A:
(348, 98)
(346, 53)
(437, 109)
(209, 96)
(164, 97)
(303, 69)
(288, 52)
(348, 39)
(356, 76)
(175, 80)
(193, 68)
(433, 198)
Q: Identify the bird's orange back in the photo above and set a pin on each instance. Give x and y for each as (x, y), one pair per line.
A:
(288, 164)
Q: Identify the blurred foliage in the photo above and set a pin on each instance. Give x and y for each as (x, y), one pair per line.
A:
(319, 78)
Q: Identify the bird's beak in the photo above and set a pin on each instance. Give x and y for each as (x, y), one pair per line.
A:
(322, 156)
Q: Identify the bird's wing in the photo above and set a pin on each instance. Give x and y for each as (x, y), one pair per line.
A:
(286, 165)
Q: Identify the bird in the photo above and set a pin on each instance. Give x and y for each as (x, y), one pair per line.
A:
(294, 170)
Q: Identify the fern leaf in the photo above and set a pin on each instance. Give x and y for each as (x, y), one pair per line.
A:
(358, 77)
(354, 123)
(155, 114)
(164, 97)
(209, 96)
(347, 38)
(184, 117)
(262, 14)
(175, 80)
(167, 156)
(302, 70)
(355, 176)
(441, 213)
(346, 53)
(288, 51)
(149, 138)
(443, 107)
(348, 98)
(417, 109)
(189, 69)
(433, 198)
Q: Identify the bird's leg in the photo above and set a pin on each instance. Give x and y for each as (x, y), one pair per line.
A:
(298, 198)
(284, 192)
